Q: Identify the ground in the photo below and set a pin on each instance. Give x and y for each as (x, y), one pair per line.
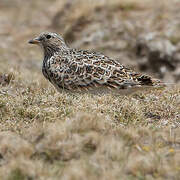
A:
(49, 135)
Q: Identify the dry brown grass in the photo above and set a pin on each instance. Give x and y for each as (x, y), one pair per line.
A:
(48, 135)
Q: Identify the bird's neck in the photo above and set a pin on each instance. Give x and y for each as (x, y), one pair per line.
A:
(49, 51)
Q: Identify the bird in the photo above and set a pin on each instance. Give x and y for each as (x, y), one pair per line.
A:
(73, 70)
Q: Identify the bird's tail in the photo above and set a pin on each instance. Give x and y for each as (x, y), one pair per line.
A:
(145, 80)
(158, 83)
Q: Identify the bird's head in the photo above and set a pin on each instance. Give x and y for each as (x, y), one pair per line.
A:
(50, 42)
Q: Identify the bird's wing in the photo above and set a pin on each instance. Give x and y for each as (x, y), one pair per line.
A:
(89, 70)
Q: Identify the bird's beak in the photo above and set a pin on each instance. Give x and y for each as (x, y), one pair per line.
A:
(34, 41)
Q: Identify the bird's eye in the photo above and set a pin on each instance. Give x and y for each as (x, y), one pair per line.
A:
(48, 36)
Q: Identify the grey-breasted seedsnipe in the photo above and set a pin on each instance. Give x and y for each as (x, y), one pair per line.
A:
(80, 70)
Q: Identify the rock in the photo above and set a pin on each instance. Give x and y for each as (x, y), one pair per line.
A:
(158, 55)
(176, 74)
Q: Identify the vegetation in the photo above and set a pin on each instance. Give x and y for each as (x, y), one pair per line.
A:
(49, 135)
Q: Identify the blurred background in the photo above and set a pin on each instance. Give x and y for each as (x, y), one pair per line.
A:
(145, 35)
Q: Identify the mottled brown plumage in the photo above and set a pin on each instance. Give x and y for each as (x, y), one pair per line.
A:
(80, 70)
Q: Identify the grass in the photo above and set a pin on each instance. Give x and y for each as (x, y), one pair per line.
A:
(49, 135)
